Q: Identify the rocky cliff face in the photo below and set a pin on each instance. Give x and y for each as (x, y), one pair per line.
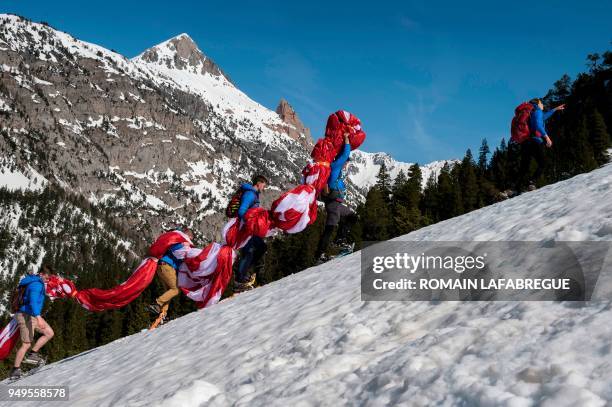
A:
(161, 139)
(296, 129)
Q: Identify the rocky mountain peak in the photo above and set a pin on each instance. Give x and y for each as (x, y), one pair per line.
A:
(289, 116)
(285, 111)
(181, 53)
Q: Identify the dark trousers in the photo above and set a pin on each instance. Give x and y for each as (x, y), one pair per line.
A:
(336, 211)
(531, 149)
(251, 253)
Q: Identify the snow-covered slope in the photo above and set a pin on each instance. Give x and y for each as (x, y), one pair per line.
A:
(309, 340)
(364, 167)
(14, 178)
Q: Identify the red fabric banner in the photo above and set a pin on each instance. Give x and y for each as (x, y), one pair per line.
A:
(316, 174)
(96, 299)
(8, 338)
(340, 123)
(294, 210)
(166, 240)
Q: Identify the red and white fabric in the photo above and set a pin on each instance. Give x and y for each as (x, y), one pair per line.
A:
(293, 211)
(342, 122)
(316, 174)
(256, 222)
(8, 338)
(166, 240)
(324, 150)
(234, 234)
(60, 287)
(205, 273)
(96, 299)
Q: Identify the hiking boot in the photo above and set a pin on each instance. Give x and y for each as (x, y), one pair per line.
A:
(33, 358)
(324, 258)
(154, 308)
(508, 193)
(339, 248)
(346, 248)
(15, 373)
(241, 286)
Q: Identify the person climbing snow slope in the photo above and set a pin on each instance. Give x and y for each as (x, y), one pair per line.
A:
(254, 250)
(533, 146)
(334, 199)
(167, 272)
(28, 303)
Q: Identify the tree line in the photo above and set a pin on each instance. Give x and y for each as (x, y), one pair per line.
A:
(394, 207)
(581, 143)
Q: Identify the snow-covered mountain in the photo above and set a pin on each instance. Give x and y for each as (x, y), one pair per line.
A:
(179, 63)
(364, 167)
(161, 139)
(314, 342)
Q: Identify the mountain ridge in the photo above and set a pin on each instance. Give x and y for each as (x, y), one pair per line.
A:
(132, 136)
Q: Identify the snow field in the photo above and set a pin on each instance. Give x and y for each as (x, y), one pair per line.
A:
(309, 340)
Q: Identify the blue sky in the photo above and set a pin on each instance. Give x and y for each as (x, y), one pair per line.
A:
(427, 78)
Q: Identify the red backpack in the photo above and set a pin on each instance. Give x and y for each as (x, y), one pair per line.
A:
(519, 129)
(231, 211)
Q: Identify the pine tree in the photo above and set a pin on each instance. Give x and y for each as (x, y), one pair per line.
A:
(375, 217)
(600, 139)
(581, 155)
(560, 92)
(593, 62)
(399, 190)
(383, 181)
(415, 182)
(483, 156)
(429, 202)
(399, 181)
(497, 166)
(405, 219)
(448, 195)
(468, 182)
(405, 202)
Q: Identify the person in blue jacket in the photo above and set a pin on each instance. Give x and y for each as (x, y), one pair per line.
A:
(254, 250)
(533, 147)
(29, 320)
(334, 200)
(167, 271)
